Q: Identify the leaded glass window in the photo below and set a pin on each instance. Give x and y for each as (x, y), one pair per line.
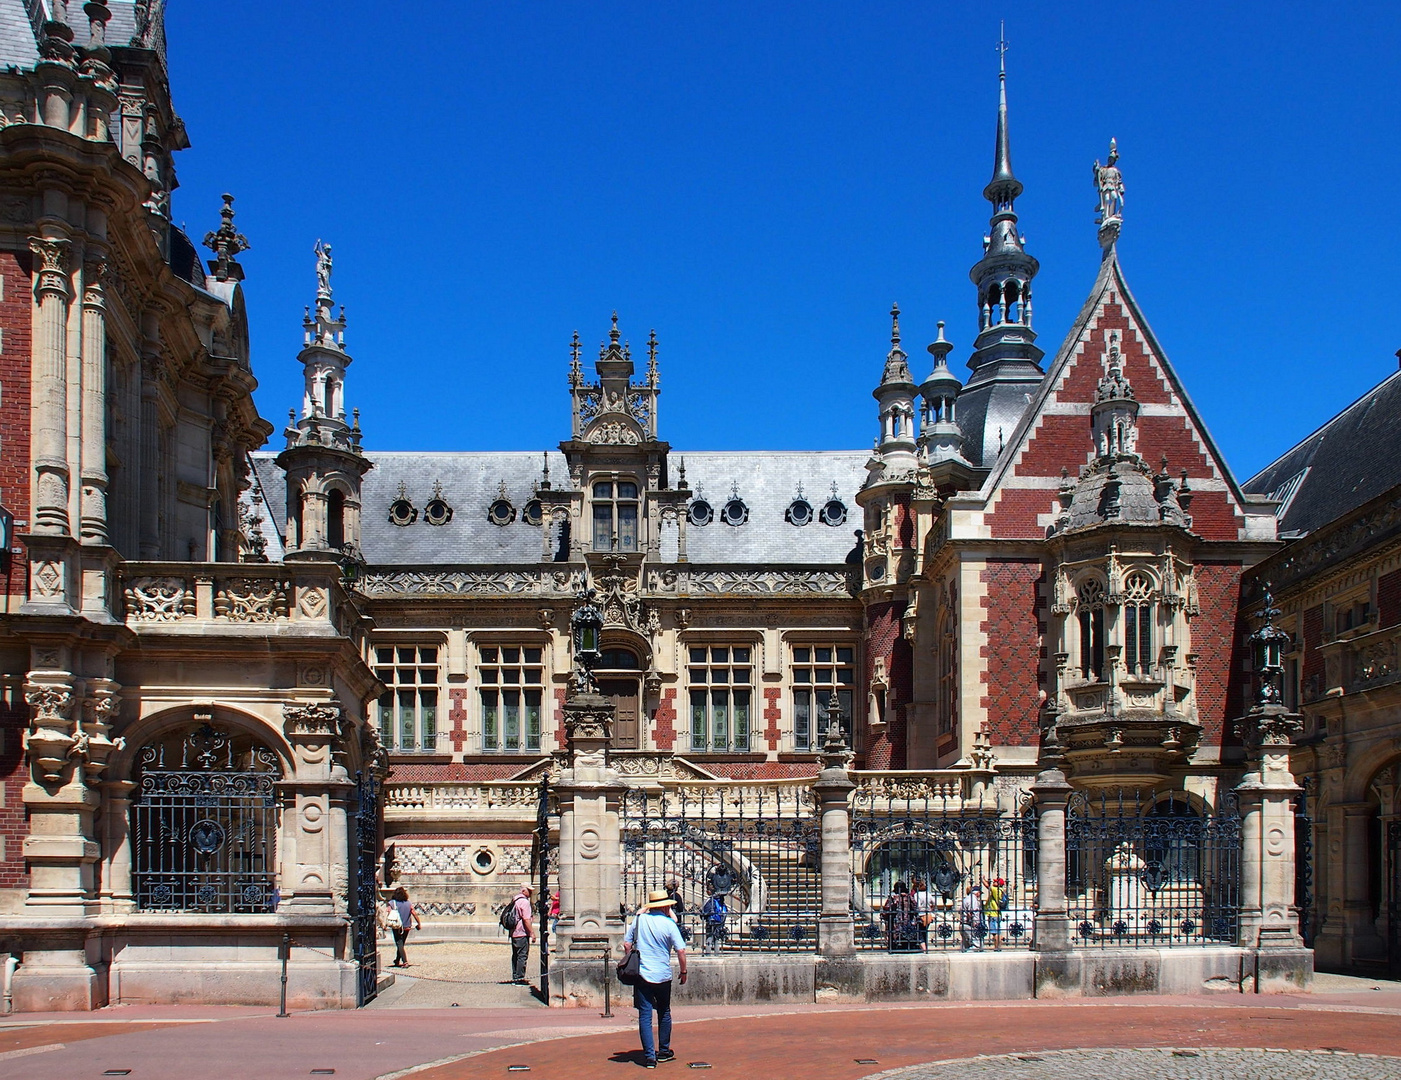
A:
(721, 681)
(408, 709)
(512, 681)
(817, 671)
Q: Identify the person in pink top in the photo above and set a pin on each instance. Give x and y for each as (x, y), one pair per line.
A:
(522, 935)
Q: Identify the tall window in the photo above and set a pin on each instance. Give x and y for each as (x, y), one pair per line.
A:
(512, 680)
(948, 674)
(1139, 616)
(817, 671)
(721, 681)
(408, 710)
(1092, 629)
(614, 514)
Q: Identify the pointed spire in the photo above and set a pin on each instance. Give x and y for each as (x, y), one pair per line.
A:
(1004, 187)
(576, 368)
(226, 243)
(613, 334)
(896, 369)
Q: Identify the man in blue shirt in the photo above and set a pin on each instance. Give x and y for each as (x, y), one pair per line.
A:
(654, 934)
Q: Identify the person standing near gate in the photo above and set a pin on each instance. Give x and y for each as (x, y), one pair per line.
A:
(654, 934)
(522, 934)
(401, 915)
(971, 919)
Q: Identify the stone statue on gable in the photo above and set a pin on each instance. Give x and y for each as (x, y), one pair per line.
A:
(1110, 183)
(323, 270)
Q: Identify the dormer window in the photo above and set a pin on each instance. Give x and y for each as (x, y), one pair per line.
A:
(834, 513)
(701, 512)
(735, 512)
(614, 515)
(799, 512)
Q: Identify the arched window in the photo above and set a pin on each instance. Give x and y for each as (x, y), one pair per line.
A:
(335, 518)
(1140, 615)
(204, 822)
(618, 660)
(1091, 597)
(615, 515)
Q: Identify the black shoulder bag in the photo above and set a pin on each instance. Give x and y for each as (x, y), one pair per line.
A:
(630, 968)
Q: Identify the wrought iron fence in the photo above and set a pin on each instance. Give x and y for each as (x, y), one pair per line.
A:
(929, 873)
(365, 932)
(745, 859)
(1303, 862)
(1150, 870)
(204, 823)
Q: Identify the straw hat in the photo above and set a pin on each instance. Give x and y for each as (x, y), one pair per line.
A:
(656, 900)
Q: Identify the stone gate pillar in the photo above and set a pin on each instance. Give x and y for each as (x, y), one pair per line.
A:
(832, 791)
(1058, 969)
(1269, 921)
(590, 853)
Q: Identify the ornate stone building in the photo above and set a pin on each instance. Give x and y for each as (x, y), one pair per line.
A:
(1026, 594)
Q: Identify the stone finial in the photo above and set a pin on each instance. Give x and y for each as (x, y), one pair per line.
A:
(227, 243)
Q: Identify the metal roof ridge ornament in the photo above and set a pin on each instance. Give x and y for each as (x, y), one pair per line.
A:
(1110, 184)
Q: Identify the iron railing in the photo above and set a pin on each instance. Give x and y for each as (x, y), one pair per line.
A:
(204, 824)
(928, 872)
(753, 847)
(365, 932)
(1148, 870)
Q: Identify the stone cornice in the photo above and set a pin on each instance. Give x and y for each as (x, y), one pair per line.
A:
(1370, 529)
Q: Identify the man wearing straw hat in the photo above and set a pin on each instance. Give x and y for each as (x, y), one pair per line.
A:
(654, 934)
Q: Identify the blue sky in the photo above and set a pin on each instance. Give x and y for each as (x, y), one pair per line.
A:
(759, 181)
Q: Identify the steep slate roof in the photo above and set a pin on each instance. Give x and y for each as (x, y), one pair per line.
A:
(19, 48)
(1350, 460)
(766, 481)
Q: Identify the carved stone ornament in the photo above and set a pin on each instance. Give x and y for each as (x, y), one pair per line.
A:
(618, 597)
(1269, 728)
(311, 721)
(159, 599)
(48, 742)
(311, 602)
(251, 600)
(614, 433)
(47, 578)
(52, 265)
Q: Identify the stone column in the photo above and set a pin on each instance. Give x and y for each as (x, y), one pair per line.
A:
(314, 871)
(835, 932)
(116, 890)
(92, 527)
(1058, 968)
(1269, 922)
(50, 391)
(590, 853)
(149, 532)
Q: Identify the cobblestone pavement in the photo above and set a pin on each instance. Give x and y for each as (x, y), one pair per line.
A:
(1159, 1064)
(462, 974)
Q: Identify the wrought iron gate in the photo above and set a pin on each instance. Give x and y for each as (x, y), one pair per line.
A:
(1146, 873)
(204, 823)
(365, 932)
(543, 869)
(917, 858)
(754, 849)
(1303, 863)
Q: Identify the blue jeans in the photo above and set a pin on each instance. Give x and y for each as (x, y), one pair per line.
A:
(646, 998)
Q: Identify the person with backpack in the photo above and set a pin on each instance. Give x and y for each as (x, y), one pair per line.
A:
(516, 921)
(714, 913)
(900, 919)
(400, 914)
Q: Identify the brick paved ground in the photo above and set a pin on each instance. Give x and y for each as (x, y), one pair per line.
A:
(1161, 1065)
(813, 1042)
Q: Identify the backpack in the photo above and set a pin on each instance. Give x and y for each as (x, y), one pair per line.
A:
(714, 910)
(509, 920)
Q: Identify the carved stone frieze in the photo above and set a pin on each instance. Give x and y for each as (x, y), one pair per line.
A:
(251, 600)
(464, 582)
(614, 433)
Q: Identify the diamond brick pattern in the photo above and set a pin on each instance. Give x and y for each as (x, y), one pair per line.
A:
(1013, 630)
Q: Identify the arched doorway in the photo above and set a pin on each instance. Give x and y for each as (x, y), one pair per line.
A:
(619, 680)
(204, 821)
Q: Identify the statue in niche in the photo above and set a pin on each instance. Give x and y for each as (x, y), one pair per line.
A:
(1110, 183)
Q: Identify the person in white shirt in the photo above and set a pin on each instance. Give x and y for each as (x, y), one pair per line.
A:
(654, 934)
(971, 912)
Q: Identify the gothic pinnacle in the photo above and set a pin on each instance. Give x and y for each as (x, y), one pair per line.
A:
(1004, 187)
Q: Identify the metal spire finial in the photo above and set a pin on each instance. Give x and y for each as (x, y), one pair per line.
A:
(613, 334)
(895, 326)
(1002, 48)
(1004, 186)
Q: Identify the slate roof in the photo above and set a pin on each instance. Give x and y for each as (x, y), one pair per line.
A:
(18, 47)
(766, 481)
(1350, 460)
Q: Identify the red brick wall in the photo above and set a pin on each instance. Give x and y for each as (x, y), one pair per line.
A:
(560, 695)
(1063, 441)
(664, 731)
(1013, 633)
(15, 328)
(1389, 599)
(887, 749)
(773, 714)
(14, 824)
(457, 716)
(1218, 639)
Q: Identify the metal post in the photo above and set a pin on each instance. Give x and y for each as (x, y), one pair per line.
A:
(607, 986)
(542, 833)
(283, 952)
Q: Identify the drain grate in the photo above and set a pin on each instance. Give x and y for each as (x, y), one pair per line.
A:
(117, 1072)
(866, 1061)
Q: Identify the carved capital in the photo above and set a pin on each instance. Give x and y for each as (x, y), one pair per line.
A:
(94, 282)
(311, 721)
(51, 271)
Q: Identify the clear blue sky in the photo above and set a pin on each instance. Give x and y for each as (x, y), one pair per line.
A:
(758, 181)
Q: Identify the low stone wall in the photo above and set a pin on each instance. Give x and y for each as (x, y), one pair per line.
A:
(987, 976)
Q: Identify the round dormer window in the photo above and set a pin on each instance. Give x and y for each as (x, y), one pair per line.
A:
(834, 513)
(534, 513)
(735, 512)
(701, 512)
(437, 512)
(402, 512)
(799, 512)
(501, 512)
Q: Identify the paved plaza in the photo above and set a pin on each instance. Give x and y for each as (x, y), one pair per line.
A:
(1346, 1029)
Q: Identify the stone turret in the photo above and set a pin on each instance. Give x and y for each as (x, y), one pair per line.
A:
(323, 459)
(895, 448)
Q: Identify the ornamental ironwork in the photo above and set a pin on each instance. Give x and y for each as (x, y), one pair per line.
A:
(204, 823)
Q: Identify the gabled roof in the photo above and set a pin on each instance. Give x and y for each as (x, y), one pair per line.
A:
(1054, 430)
(1351, 459)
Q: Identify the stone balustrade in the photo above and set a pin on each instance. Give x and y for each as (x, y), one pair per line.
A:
(945, 790)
